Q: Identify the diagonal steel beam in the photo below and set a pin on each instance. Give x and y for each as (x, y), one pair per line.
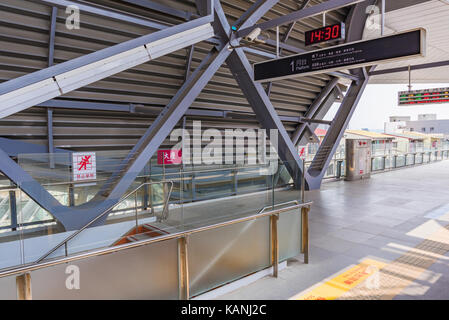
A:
(265, 112)
(298, 15)
(189, 62)
(164, 124)
(173, 112)
(73, 218)
(314, 107)
(332, 139)
(256, 5)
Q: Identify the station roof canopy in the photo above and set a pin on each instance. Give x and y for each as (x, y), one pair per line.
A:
(432, 15)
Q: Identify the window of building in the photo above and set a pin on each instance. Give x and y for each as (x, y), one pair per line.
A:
(423, 129)
(432, 129)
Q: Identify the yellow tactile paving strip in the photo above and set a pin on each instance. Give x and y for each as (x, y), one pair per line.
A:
(374, 280)
(338, 286)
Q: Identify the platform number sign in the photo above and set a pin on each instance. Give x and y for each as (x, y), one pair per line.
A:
(399, 46)
(84, 166)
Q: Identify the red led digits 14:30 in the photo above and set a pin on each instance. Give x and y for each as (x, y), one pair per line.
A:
(328, 33)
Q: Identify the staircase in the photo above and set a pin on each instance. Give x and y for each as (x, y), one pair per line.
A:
(142, 232)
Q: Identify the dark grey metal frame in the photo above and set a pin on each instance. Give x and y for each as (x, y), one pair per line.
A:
(75, 217)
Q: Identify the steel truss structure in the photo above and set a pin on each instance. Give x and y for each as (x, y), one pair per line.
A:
(70, 81)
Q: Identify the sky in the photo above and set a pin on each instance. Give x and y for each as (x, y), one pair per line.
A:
(379, 102)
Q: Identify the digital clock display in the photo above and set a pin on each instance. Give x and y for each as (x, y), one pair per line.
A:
(329, 33)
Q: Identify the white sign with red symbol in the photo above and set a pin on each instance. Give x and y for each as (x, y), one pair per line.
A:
(302, 152)
(84, 166)
(173, 156)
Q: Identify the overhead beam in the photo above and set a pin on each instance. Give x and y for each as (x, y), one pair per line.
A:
(284, 40)
(340, 74)
(299, 132)
(248, 12)
(148, 4)
(326, 6)
(110, 14)
(31, 89)
(437, 64)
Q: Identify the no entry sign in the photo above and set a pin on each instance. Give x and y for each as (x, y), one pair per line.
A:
(84, 166)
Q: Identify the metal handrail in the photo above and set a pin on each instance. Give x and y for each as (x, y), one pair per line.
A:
(73, 235)
(277, 205)
(58, 261)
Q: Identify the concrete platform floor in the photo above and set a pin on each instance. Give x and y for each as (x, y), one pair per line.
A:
(383, 218)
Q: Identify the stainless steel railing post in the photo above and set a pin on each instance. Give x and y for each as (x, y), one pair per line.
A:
(305, 233)
(135, 206)
(274, 244)
(23, 285)
(183, 268)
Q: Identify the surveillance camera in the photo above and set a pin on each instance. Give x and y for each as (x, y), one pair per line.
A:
(253, 35)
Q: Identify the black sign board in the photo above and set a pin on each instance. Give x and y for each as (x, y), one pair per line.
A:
(404, 45)
(333, 32)
(426, 96)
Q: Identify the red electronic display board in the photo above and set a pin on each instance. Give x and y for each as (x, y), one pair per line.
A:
(427, 96)
(329, 33)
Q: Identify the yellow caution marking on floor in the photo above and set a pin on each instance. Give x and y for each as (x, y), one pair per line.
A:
(345, 281)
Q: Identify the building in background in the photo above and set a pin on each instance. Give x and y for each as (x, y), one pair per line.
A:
(428, 123)
(396, 124)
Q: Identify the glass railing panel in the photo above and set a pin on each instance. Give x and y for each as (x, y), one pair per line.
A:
(400, 161)
(7, 222)
(419, 158)
(201, 195)
(377, 163)
(410, 159)
(222, 255)
(51, 170)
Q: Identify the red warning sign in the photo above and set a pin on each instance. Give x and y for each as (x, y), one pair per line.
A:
(172, 156)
